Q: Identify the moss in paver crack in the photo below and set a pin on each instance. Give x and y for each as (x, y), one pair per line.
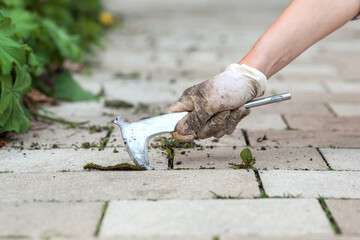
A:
(14, 237)
(324, 159)
(98, 226)
(247, 158)
(164, 143)
(288, 128)
(117, 167)
(7, 171)
(103, 142)
(328, 214)
(98, 128)
(88, 145)
(170, 157)
(131, 75)
(117, 104)
(260, 185)
(218, 196)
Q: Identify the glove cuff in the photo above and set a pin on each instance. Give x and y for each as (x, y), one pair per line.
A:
(252, 73)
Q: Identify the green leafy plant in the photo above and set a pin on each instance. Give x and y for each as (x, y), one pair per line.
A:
(247, 158)
(37, 37)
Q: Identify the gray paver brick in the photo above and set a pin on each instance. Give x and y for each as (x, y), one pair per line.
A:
(58, 134)
(85, 186)
(38, 220)
(346, 109)
(271, 158)
(263, 122)
(176, 218)
(313, 70)
(343, 87)
(297, 138)
(295, 106)
(312, 184)
(56, 160)
(346, 214)
(288, 159)
(279, 86)
(343, 124)
(82, 111)
(342, 159)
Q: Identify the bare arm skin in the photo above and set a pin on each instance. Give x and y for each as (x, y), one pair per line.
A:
(303, 23)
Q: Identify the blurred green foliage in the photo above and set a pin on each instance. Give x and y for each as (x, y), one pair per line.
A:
(36, 38)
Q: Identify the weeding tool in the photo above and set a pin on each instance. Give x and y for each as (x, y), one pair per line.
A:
(136, 135)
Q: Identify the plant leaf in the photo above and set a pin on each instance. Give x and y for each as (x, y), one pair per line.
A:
(11, 51)
(66, 44)
(25, 22)
(68, 89)
(12, 115)
(246, 155)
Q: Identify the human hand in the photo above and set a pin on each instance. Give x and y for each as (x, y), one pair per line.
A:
(216, 106)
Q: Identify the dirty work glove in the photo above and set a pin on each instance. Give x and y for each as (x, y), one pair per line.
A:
(215, 106)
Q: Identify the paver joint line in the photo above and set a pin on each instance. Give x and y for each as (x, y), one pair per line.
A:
(99, 224)
(260, 185)
(246, 137)
(323, 157)
(329, 216)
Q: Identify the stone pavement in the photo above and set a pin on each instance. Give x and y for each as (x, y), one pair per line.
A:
(306, 181)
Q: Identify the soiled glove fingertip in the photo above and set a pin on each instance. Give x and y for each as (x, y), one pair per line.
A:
(176, 107)
(183, 138)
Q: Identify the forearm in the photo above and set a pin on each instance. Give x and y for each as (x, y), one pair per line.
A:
(303, 23)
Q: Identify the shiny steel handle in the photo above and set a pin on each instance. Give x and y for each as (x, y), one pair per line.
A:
(268, 100)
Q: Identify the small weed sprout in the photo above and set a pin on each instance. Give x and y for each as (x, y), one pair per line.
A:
(248, 160)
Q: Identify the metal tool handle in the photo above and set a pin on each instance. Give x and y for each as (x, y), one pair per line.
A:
(268, 100)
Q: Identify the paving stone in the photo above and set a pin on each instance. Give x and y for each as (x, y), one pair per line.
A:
(40, 220)
(56, 160)
(45, 136)
(320, 98)
(342, 46)
(145, 91)
(235, 139)
(94, 112)
(343, 87)
(216, 157)
(342, 124)
(263, 122)
(189, 184)
(313, 70)
(269, 158)
(346, 214)
(311, 184)
(315, 138)
(346, 109)
(342, 159)
(223, 218)
(288, 159)
(294, 86)
(293, 107)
